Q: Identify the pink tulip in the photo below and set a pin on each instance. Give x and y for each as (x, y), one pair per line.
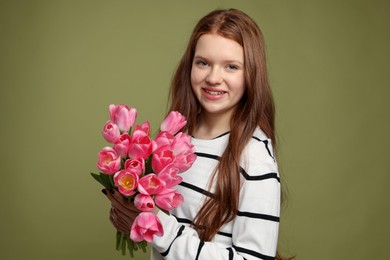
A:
(162, 157)
(164, 138)
(111, 132)
(184, 152)
(122, 146)
(183, 144)
(168, 199)
(184, 162)
(138, 166)
(150, 184)
(126, 181)
(170, 177)
(123, 116)
(145, 226)
(173, 122)
(108, 161)
(145, 126)
(183, 138)
(141, 145)
(143, 202)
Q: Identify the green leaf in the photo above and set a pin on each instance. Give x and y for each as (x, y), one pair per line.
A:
(97, 178)
(148, 167)
(123, 163)
(106, 180)
(111, 177)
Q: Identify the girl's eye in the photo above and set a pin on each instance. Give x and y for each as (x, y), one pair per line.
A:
(232, 67)
(201, 63)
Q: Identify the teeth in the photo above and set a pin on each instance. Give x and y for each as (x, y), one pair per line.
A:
(215, 92)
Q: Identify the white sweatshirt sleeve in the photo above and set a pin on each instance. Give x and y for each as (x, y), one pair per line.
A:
(254, 231)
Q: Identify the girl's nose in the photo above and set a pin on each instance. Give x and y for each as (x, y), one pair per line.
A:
(214, 77)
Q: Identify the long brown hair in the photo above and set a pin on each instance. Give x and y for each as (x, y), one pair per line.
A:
(256, 108)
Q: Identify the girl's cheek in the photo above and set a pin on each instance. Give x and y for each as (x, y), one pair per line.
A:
(198, 74)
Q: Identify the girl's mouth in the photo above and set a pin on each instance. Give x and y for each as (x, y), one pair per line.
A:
(214, 93)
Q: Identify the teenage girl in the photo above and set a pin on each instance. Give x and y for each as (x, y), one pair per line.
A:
(232, 192)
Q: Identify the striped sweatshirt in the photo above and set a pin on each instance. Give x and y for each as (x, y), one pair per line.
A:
(253, 233)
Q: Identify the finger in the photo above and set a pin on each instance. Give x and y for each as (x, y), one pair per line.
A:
(118, 223)
(120, 227)
(121, 203)
(116, 197)
(120, 218)
(110, 195)
(128, 216)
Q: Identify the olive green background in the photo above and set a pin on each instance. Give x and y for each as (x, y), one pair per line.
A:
(63, 62)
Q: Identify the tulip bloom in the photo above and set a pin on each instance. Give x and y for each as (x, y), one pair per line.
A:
(122, 146)
(108, 161)
(143, 202)
(150, 184)
(168, 199)
(182, 144)
(111, 132)
(164, 138)
(184, 152)
(126, 181)
(173, 122)
(145, 226)
(162, 157)
(184, 162)
(123, 116)
(145, 126)
(137, 166)
(169, 176)
(141, 145)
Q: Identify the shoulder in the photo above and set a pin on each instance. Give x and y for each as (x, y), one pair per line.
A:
(258, 158)
(260, 144)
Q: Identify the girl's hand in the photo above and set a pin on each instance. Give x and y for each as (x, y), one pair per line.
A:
(122, 212)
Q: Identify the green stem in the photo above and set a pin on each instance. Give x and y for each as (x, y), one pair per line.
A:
(118, 240)
(130, 247)
(124, 244)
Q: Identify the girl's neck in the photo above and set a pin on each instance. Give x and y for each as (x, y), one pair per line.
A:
(210, 126)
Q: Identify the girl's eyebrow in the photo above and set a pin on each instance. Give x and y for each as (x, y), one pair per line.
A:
(199, 57)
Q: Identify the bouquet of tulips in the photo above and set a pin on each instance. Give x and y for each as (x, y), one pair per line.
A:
(143, 169)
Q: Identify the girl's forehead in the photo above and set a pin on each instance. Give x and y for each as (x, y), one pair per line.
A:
(216, 46)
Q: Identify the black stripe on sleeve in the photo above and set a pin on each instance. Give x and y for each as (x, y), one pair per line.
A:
(201, 244)
(231, 254)
(258, 216)
(197, 189)
(271, 175)
(178, 234)
(207, 155)
(182, 220)
(224, 234)
(253, 253)
(265, 142)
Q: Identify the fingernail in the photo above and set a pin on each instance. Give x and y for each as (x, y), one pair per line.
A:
(104, 191)
(112, 191)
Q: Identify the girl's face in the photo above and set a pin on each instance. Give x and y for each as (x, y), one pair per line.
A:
(217, 74)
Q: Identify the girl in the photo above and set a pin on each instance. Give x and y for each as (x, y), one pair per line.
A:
(232, 192)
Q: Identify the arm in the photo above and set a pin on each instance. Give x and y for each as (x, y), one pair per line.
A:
(254, 230)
